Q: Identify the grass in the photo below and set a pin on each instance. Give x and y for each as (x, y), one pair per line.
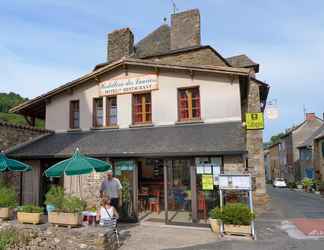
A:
(19, 119)
(7, 237)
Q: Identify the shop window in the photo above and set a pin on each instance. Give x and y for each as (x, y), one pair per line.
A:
(111, 109)
(74, 114)
(189, 104)
(142, 110)
(97, 112)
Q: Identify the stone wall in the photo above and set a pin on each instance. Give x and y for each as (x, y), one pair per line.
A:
(233, 164)
(120, 44)
(13, 134)
(254, 143)
(195, 57)
(185, 29)
(41, 237)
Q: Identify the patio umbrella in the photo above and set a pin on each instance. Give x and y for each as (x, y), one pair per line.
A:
(78, 164)
(7, 164)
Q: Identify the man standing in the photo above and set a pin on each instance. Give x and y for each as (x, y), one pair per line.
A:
(111, 187)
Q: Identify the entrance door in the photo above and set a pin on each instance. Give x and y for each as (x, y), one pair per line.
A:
(180, 195)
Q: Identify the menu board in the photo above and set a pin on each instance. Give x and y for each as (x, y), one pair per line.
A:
(237, 182)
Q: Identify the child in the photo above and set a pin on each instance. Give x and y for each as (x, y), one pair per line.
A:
(107, 213)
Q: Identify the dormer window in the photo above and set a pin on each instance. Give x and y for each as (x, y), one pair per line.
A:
(98, 112)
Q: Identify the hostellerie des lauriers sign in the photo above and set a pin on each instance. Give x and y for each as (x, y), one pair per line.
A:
(128, 85)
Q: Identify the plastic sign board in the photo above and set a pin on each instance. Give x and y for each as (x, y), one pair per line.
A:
(207, 182)
(235, 182)
(128, 85)
(254, 120)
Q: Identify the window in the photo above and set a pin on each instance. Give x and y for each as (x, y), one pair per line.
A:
(189, 104)
(111, 111)
(97, 112)
(142, 112)
(74, 114)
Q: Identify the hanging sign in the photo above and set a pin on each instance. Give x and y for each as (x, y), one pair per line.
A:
(207, 182)
(254, 120)
(128, 85)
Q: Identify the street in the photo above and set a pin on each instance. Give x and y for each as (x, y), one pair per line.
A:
(285, 205)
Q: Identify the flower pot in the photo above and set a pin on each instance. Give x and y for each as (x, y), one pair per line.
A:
(6, 213)
(32, 218)
(237, 229)
(214, 224)
(66, 219)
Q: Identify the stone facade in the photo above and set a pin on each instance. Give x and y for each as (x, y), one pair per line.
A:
(48, 237)
(318, 158)
(233, 164)
(254, 144)
(185, 29)
(13, 134)
(120, 44)
(195, 57)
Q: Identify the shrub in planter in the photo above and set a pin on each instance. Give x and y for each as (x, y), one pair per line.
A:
(307, 183)
(29, 214)
(7, 201)
(292, 185)
(67, 209)
(236, 217)
(214, 219)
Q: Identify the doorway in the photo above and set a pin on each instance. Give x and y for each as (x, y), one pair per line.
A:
(151, 190)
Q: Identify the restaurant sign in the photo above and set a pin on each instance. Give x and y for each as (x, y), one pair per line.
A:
(254, 120)
(128, 85)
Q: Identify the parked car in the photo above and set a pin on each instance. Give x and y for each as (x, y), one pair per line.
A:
(279, 182)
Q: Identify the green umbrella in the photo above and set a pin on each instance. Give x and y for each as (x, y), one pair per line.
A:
(78, 164)
(7, 164)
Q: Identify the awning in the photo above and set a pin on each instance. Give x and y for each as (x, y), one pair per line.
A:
(177, 140)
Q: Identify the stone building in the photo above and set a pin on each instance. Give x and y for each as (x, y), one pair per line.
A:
(167, 112)
(12, 135)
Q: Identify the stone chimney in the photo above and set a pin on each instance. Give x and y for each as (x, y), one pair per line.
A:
(120, 44)
(185, 29)
(310, 116)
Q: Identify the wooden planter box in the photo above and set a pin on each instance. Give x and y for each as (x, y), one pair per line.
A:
(237, 229)
(32, 218)
(66, 219)
(215, 225)
(6, 213)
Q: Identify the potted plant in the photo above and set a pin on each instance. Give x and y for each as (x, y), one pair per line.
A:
(67, 209)
(7, 201)
(237, 218)
(299, 185)
(214, 219)
(307, 183)
(29, 214)
(292, 185)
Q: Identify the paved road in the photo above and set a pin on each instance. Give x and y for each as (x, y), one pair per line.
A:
(285, 205)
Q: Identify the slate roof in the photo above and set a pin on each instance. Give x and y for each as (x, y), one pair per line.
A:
(176, 140)
(242, 61)
(316, 135)
(156, 42)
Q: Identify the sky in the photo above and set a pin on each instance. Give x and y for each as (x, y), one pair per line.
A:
(46, 43)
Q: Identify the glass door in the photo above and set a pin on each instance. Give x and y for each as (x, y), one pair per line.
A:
(179, 191)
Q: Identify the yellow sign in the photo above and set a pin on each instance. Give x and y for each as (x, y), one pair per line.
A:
(207, 182)
(254, 120)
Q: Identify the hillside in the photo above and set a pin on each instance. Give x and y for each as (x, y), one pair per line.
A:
(10, 100)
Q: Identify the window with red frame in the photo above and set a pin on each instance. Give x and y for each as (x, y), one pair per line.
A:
(189, 104)
(142, 111)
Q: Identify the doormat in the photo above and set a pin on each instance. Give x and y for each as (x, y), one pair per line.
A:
(310, 227)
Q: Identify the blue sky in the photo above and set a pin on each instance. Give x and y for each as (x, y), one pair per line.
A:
(45, 43)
